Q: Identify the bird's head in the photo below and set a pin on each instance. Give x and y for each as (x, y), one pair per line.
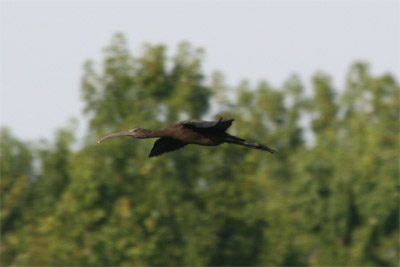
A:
(135, 132)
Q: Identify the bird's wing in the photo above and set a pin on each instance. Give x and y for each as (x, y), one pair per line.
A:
(221, 125)
(165, 144)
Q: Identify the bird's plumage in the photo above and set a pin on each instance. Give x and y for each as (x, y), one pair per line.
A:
(221, 125)
(178, 135)
(164, 145)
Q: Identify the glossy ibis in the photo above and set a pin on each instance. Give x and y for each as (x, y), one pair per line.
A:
(178, 135)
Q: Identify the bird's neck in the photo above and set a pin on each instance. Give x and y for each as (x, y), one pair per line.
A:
(153, 134)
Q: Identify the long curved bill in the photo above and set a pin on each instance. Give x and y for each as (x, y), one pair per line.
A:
(123, 133)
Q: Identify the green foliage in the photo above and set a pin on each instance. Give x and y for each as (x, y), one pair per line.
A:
(334, 202)
(16, 172)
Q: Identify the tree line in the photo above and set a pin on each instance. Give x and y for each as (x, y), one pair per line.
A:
(329, 197)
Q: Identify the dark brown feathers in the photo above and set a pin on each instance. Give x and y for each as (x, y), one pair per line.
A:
(178, 135)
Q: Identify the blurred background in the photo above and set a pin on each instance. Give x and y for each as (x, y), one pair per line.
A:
(317, 81)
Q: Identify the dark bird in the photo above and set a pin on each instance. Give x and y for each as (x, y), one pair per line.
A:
(180, 134)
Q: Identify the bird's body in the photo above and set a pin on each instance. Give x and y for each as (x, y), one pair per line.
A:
(184, 132)
(178, 135)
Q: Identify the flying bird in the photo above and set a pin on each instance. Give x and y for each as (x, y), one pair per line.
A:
(180, 134)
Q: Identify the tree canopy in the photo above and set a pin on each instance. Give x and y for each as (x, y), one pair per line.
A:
(329, 197)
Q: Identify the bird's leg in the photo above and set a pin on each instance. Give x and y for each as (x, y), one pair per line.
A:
(242, 142)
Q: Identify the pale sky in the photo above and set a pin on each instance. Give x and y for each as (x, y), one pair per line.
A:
(45, 43)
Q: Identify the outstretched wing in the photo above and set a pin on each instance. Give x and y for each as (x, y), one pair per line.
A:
(165, 144)
(221, 125)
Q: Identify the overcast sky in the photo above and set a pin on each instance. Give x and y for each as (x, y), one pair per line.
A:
(44, 44)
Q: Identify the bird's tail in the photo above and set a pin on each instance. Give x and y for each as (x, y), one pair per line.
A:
(242, 142)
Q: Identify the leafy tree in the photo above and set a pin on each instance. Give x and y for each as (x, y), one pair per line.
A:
(333, 201)
(16, 173)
